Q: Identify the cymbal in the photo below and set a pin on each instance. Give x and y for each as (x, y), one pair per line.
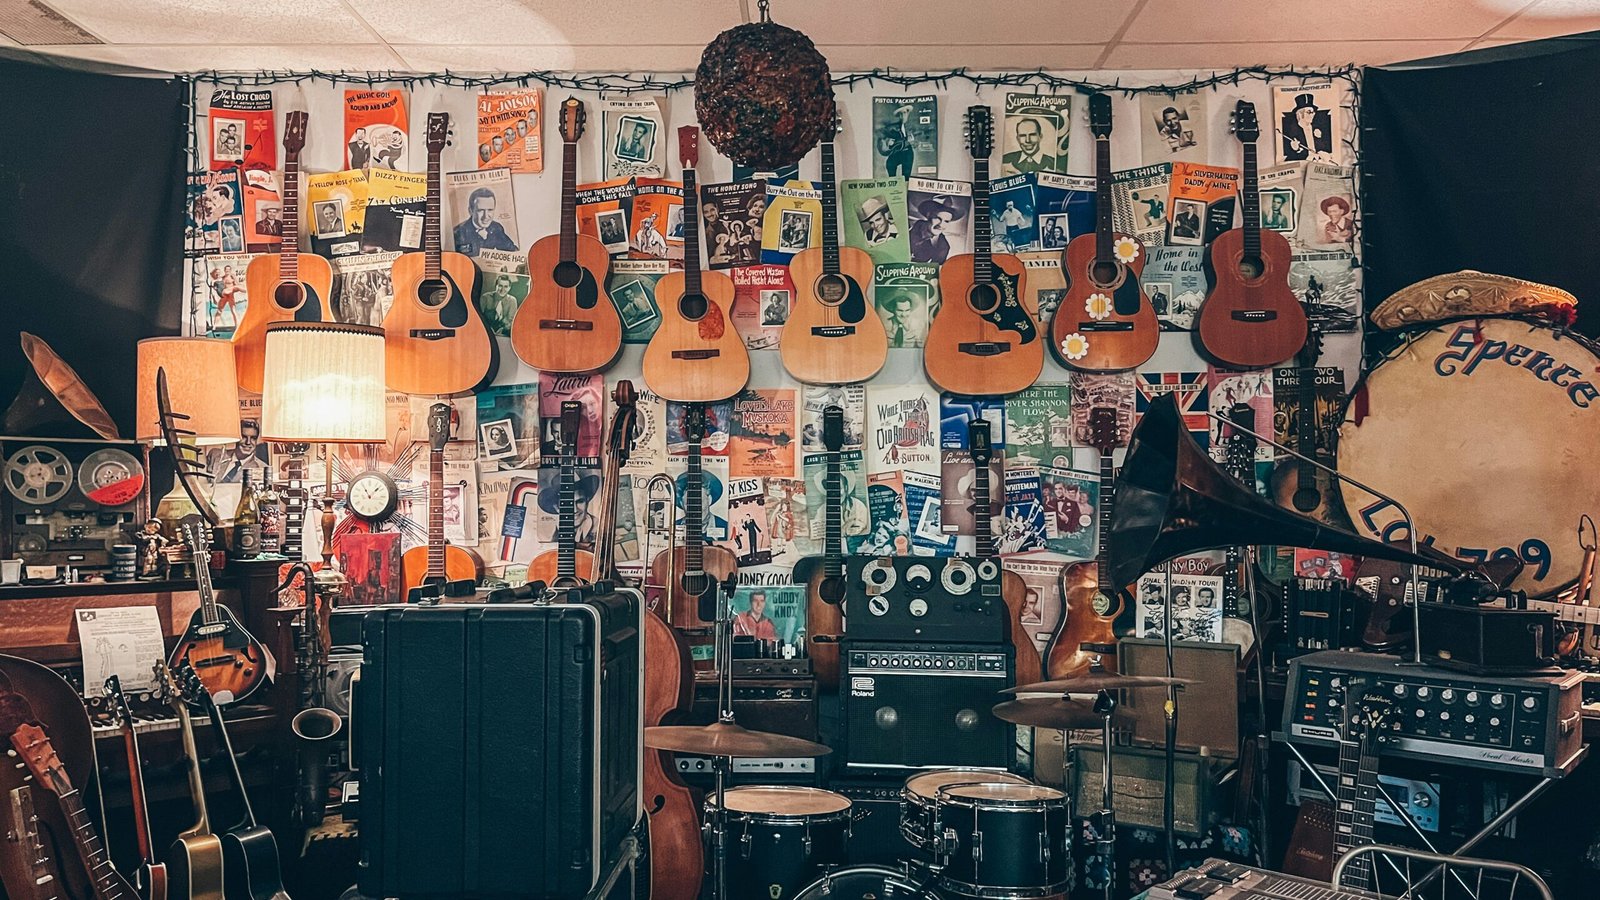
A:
(1054, 712)
(1096, 682)
(728, 739)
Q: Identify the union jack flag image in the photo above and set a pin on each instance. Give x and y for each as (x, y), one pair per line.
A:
(1189, 389)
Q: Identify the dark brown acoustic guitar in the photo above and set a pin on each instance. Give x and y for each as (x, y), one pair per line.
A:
(688, 575)
(1297, 484)
(1250, 318)
(824, 576)
(1013, 590)
(1090, 602)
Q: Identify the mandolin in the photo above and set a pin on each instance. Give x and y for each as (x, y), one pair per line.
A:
(1105, 323)
(983, 341)
(568, 323)
(151, 878)
(291, 286)
(1250, 318)
(251, 867)
(195, 864)
(229, 660)
(833, 335)
(1296, 483)
(1013, 590)
(689, 574)
(1084, 633)
(566, 566)
(453, 569)
(435, 341)
(696, 355)
(30, 744)
(824, 576)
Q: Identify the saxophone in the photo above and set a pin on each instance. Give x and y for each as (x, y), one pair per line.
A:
(314, 725)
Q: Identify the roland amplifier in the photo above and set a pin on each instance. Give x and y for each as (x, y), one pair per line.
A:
(915, 706)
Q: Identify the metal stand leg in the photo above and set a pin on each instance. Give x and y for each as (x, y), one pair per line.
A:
(1105, 824)
(719, 830)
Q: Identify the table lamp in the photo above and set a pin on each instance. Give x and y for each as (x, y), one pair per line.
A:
(202, 384)
(323, 383)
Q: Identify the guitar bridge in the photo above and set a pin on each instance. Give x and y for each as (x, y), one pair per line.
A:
(833, 331)
(1254, 315)
(565, 325)
(696, 354)
(432, 334)
(1105, 326)
(984, 348)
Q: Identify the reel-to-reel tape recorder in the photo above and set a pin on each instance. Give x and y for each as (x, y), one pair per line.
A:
(67, 504)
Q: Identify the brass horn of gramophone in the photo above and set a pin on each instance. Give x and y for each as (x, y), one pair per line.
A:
(1172, 500)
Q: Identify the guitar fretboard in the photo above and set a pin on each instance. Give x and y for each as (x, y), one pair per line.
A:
(1355, 807)
(107, 885)
(833, 517)
(691, 232)
(693, 509)
(982, 264)
(1251, 204)
(289, 249)
(830, 213)
(1306, 420)
(294, 496)
(436, 514)
(567, 518)
(569, 204)
(982, 510)
(1108, 482)
(431, 245)
(1102, 201)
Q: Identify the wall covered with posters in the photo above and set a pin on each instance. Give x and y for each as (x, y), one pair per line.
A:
(901, 155)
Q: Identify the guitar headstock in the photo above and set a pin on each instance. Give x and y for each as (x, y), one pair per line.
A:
(1243, 122)
(833, 428)
(439, 426)
(1105, 427)
(1100, 115)
(689, 146)
(189, 686)
(573, 117)
(1311, 351)
(1372, 715)
(438, 131)
(197, 534)
(625, 421)
(294, 132)
(171, 689)
(32, 746)
(978, 442)
(980, 132)
(694, 423)
(571, 418)
(119, 701)
(1242, 442)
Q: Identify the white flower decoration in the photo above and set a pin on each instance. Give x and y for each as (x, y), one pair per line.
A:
(1126, 249)
(1074, 346)
(1098, 306)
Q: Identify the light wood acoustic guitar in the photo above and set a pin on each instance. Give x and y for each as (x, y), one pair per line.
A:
(454, 569)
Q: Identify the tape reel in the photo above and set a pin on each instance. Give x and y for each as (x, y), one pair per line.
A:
(111, 477)
(38, 474)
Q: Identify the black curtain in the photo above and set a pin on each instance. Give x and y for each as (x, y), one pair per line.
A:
(1485, 160)
(91, 221)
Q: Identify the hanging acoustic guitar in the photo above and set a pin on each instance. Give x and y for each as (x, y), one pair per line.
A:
(439, 565)
(1013, 590)
(824, 576)
(1091, 603)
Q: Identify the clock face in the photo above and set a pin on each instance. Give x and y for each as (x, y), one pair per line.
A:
(372, 496)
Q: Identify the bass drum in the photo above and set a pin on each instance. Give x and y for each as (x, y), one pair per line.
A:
(867, 883)
(1484, 430)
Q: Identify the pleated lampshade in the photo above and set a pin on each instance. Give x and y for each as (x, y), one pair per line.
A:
(323, 383)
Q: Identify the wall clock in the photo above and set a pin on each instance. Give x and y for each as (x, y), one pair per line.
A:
(373, 496)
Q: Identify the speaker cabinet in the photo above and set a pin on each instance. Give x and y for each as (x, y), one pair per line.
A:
(909, 706)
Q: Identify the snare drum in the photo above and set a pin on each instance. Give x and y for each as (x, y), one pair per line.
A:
(919, 796)
(780, 839)
(1001, 840)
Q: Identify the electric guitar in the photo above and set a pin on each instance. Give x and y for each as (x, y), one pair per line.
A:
(251, 867)
(619, 446)
(229, 660)
(30, 744)
(833, 335)
(291, 286)
(696, 355)
(151, 877)
(195, 864)
(1092, 602)
(566, 566)
(1013, 590)
(1367, 713)
(1250, 318)
(1104, 323)
(824, 576)
(691, 573)
(451, 569)
(435, 341)
(1297, 484)
(984, 340)
(568, 323)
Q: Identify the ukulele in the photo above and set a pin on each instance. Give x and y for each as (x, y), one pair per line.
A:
(833, 335)
(151, 877)
(824, 576)
(196, 862)
(1013, 590)
(251, 867)
(435, 341)
(568, 323)
(454, 570)
(293, 286)
(690, 574)
(30, 744)
(695, 356)
(1250, 318)
(1367, 713)
(566, 566)
(1296, 483)
(230, 661)
(619, 446)
(1105, 323)
(1091, 602)
(989, 344)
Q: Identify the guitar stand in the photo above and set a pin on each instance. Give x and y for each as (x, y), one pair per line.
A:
(1105, 821)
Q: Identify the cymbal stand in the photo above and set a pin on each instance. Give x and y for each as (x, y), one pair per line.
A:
(1105, 821)
(720, 765)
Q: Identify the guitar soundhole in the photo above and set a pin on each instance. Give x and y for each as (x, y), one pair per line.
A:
(692, 306)
(568, 274)
(1251, 267)
(832, 590)
(289, 295)
(433, 292)
(983, 299)
(1306, 499)
(1103, 273)
(831, 288)
(695, 584)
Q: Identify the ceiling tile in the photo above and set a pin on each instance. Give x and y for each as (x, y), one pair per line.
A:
(1315, 53)
(891, 22)
(199, 58)
(863, 57)
(561, 57)
(1549, 18)
(1341, 20)
(553, 22)
(220, 21)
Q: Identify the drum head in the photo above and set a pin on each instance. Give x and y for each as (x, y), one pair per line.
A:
(782, 802)
(927, 784)
(1003, 792)
(865, 883)
(1483, 430)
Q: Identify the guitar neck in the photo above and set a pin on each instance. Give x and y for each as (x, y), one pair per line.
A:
(197, 787)
(569, 203)
(107, 884)
(436, 514)
(1251, 197)
(289, 249)
(691, 232)
(830, 212)
(431, 245)
(693, 503)
(567, 519)
(1306, 425)
(1108, 486)
(215, 712)
(1102, 201)
(141, 810)
(295, 496)
(606, 529)
(1356, 805)
(833, 536)
(25, 825)
(982, 264)
(208, 596)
